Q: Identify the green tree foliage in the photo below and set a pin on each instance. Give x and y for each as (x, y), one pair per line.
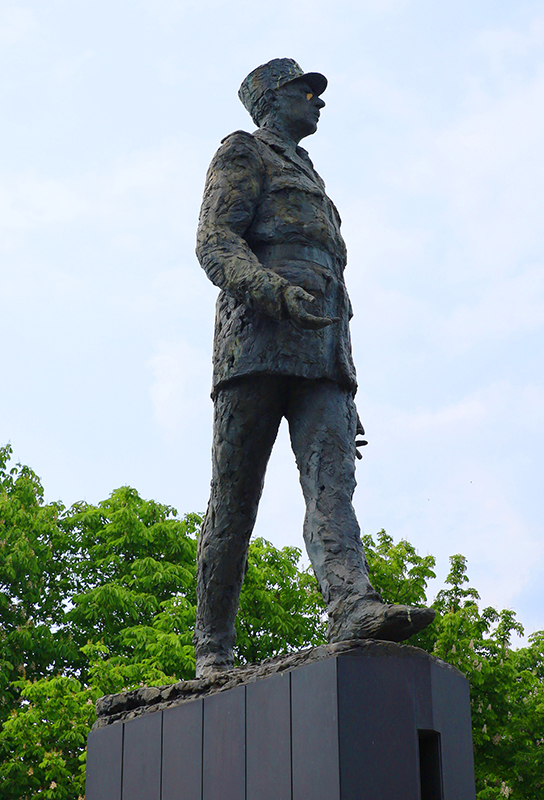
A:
(135, 580)
(45, 740)
(507, 688)
(36, 559)
(281, 608)
(99, 599)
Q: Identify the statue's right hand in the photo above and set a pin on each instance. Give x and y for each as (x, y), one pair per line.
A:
(293, 298)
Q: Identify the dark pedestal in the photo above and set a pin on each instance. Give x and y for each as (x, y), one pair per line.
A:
(352, 726)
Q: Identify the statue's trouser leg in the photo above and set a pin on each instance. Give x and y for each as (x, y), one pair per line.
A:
(322, 419)
(246, 421)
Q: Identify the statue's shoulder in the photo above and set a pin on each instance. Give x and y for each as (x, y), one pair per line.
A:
(239, 141)
(238, 148)
(241, 136)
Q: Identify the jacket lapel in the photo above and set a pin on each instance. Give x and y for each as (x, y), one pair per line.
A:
(300, 159)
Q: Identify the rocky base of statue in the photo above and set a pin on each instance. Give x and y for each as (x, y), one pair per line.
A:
(358, 720)
(125, 706)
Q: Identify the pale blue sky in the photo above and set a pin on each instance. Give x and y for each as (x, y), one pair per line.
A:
(431, 146)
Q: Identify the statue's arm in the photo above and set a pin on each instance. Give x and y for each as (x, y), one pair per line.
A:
(233, 186)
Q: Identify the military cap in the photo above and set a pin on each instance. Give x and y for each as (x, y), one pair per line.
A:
(274, 74)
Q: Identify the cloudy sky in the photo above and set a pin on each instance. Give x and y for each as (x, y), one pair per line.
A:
(431, 145)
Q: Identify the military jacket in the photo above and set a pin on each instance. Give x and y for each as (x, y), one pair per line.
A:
(267, 222)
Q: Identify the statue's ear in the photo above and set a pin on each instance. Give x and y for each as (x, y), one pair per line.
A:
(271, 98)
(267, 105)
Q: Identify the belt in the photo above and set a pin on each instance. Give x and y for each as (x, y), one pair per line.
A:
(292, 251)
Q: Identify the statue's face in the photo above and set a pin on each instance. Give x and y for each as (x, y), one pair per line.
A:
(298, 108)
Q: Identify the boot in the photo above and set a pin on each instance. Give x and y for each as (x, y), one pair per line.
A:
(370, 618)
(213, 653)
(210, 664)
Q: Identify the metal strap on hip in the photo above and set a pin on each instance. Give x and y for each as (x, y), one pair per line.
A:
(294, 252)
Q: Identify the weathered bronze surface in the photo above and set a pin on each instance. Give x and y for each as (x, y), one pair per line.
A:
(269, 237)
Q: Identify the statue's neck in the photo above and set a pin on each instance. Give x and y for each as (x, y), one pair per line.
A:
(275, 126)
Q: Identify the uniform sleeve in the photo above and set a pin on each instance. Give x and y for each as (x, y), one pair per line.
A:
(233, 185)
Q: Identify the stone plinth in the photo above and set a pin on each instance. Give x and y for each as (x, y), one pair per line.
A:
(355, 721)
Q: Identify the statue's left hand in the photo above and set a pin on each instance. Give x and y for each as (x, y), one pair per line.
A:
(294, 297)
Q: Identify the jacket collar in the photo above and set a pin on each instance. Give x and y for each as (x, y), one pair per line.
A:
(297, 155)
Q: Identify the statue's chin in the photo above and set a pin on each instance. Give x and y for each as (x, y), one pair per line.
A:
(309, 129)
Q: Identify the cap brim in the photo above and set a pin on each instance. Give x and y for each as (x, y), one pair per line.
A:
(317, 81)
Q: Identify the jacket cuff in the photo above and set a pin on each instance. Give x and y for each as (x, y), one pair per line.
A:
(265, 293)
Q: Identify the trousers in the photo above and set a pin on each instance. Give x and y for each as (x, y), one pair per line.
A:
(321, 416)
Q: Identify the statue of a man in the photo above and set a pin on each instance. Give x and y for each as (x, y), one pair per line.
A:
(269, 238)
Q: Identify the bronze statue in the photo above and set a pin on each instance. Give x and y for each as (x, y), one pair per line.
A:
(269, 238)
